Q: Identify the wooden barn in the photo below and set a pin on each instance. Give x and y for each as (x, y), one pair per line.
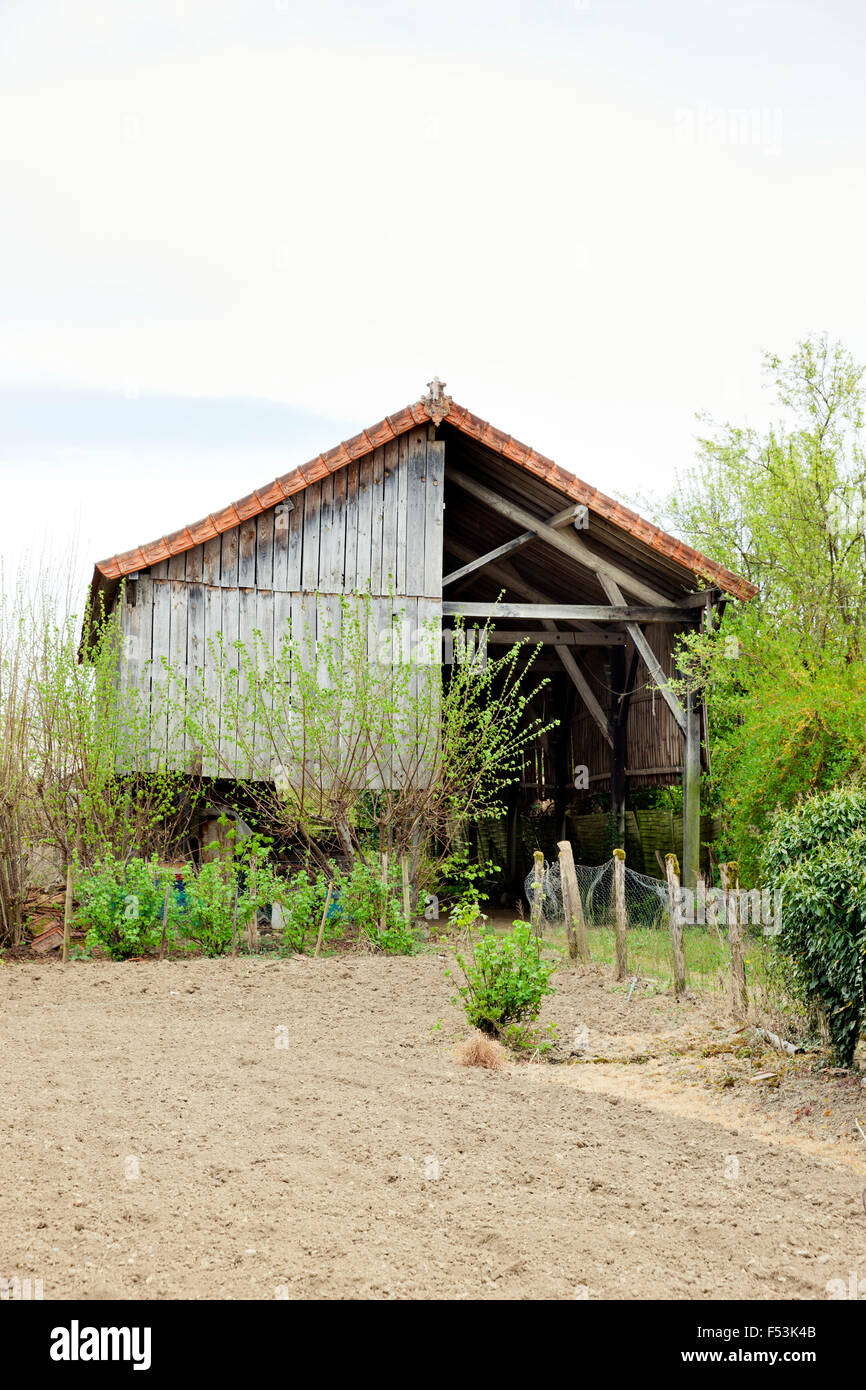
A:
(438, 512)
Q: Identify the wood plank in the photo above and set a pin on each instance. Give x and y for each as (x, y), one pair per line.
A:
(390, 517)
(194, 564)
(196, 648)
(161, 654)
(595, 612)
(229, 558)
(341, 525)
(212, 680)
(212, 549)
(247, 554)
(265, 549)
(378, 585)
(133, 676)
(415, 511)
(429, 646)
(246, 664)
(282, 513)
(179, 623)
(294, 565)
(350, 563)
(310, 562)
(365, 524)
(434, 495)
(282, 703)
(331, 539)
(264, 648)
(228, 761)
(502, 638)
(402, 511)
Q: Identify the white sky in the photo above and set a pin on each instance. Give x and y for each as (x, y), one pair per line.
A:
(233, 232)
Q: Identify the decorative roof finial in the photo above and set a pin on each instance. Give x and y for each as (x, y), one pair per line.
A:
(436, 403)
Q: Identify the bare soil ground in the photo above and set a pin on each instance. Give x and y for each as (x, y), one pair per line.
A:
(360, 1161)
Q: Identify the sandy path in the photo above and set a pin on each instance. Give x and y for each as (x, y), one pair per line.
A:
(360, 1161)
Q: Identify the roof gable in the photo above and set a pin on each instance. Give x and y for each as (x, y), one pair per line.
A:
(432, 409)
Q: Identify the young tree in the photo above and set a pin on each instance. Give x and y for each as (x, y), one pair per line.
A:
(356, 740)
(785, 678)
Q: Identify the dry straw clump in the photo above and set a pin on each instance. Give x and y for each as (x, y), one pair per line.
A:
(479, 1050)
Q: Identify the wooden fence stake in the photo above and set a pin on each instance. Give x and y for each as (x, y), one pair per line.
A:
(235, 925)
(164, 922)
(67, 912)
(730, 875)
(672, 873)
(575, 922)
(324, 919)
(621, 919)
(537, 911)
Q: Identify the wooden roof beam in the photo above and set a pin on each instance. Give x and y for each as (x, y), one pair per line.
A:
(504, 574)
(574, 514)
(621, 612)
(503, 638)
(569, 543)
(651, 661)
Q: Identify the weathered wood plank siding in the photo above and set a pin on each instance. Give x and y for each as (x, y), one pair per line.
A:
(375, 526)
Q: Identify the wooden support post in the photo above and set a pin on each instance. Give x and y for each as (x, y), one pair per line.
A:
(575, 922)
(692, 791)
(537, 910)
(235, 925)
(324, 919)
(621, 918)
(164, 921)
(672, 871)
(730, 875)
(617, 751)
(67, 912)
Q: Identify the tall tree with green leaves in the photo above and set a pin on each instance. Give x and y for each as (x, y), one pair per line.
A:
(786, 508)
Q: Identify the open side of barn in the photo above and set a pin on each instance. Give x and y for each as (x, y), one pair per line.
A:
(435, 513)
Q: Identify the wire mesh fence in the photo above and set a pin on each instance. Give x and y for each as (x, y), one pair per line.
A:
(708, 937)
(646, 899)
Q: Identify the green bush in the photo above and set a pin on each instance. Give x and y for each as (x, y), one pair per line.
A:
(376, 908)
(301, 900)
(121, 906)
(216, 906)
(506, 981)
(816, 856)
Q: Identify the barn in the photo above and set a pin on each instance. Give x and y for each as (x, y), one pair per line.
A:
(441, 513)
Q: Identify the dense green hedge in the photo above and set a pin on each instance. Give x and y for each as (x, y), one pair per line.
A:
(816, 855)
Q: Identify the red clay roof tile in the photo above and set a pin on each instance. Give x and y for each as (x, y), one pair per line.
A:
(393, 425)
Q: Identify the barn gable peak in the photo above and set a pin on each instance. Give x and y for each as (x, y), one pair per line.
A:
(436, 403)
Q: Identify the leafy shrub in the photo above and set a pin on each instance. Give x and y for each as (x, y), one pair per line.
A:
(375, 906)
(506, 981)
(121, 906)
(301, 900)
(816, 855)
(216, 906)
